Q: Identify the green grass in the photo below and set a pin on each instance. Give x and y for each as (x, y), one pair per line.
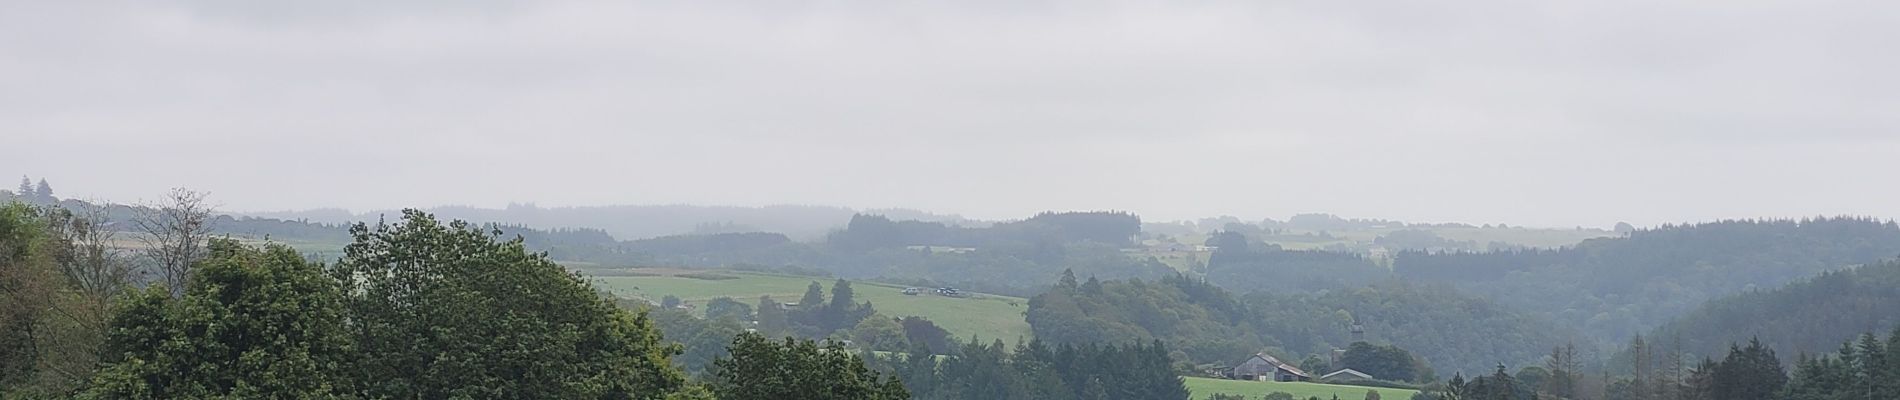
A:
(986, 316)
(1204, 387)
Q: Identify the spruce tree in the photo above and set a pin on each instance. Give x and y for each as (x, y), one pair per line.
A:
(26, 189)
(44, 192)
(1749, 373)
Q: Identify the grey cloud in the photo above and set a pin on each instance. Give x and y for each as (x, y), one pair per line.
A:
(1555, 113)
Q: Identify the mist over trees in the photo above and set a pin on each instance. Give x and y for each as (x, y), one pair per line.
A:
(1616, 287)
(630, 222)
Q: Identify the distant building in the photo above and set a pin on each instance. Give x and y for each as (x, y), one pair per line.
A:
(1263, 367)
(1345, 375)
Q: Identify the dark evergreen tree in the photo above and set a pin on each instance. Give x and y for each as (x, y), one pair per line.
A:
(44, 192)
(26, 189)
(1749, 373)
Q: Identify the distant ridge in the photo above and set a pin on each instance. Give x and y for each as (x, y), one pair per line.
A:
(629, 222)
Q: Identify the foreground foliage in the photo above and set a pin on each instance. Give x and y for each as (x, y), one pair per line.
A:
(760, 368)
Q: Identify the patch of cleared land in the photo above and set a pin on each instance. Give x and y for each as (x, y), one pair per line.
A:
(983, 315)
(1206, 387)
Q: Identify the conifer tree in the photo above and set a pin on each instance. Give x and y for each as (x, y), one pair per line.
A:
(44, 192)
(26, 188)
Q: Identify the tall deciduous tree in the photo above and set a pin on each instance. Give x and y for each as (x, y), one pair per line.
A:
(448, 311)
(175, 231)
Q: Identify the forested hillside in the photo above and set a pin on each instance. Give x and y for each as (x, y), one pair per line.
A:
(1616, 287)
(1450, 331)
(1812, 316)
(1243, 266)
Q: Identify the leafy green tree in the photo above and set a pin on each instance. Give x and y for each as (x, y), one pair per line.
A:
(448, 311)
(726, 307)
(1383, 362)
(253, 323)
(1278, 396)
(814, 297)
(772, 318)
(798, 369)
(879, 333)
(28, 288)
(701, 340)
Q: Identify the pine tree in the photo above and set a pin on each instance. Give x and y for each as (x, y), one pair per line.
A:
(44, 192)
(26, 188)
(1891, 375)
(1749, 373)
(1639, 372)
(1872, 365)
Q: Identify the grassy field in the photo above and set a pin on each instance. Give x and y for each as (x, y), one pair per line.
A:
(1204, 387)
(986, 316)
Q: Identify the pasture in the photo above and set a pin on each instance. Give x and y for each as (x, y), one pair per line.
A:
(983, 315)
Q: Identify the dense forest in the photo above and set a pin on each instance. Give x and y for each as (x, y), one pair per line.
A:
(1241, 265)
(1613, 288)
(1034, 371)
(1811, 316)
(1212, 327)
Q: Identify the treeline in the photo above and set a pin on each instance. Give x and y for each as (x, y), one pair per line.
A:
(1213, 328)
(1002, 258)
(414, 309)
(1616, 286)
(1035, 371)
(630, 222)
(1242, 265)
(1860, 368)
(874, 231)
(705, 337)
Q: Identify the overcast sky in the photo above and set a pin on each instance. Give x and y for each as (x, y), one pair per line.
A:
(1522, 112)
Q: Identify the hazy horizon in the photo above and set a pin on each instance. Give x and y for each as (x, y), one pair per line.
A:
(1548, 115)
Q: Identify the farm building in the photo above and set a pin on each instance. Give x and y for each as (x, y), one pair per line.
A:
(1263, 367)
(1345, 375)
